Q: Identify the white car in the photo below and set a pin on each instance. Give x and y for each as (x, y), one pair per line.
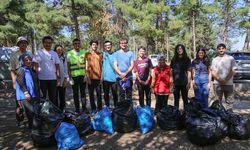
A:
(154, 60)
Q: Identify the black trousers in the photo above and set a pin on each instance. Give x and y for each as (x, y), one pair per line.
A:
(95, 86)
(49, 86)
(106, 88)
(127, 93)
(161, 101)
(79, 84)
(141, 90)
(184, 94)
(60, 96)
(28, 109)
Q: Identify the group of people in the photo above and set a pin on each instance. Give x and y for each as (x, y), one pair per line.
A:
(49, 71)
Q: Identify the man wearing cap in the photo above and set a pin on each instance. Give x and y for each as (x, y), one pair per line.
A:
(22, 44)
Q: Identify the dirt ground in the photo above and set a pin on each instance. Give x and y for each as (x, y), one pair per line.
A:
(12, 137)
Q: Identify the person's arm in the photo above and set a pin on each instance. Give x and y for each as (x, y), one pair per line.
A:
(20, 76)
(153, 78)
(232, 71)
(193, 81)
(13, 78)
(209, 77)
(117, 70)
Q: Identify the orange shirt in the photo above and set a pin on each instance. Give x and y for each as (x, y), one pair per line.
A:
(94, 65)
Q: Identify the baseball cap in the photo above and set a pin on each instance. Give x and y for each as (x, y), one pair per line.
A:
(21, 38)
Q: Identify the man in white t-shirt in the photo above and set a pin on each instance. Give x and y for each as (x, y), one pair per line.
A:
(48, 69)
(223, 70)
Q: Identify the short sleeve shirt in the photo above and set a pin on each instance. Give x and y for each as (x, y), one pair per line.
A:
(223, 66)
(94, 67)
(142, 67)
(47, 61)
(124, 59)
(180, 67)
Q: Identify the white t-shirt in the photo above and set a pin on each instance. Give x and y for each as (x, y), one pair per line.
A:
(222, 66)
(47, 61)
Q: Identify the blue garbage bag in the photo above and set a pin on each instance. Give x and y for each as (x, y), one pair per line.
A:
(102, 121)
(67, 137)
(145, 118)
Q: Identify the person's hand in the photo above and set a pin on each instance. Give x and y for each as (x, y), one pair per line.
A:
(27, 96)
(58, 82)
(88, 80)
(65, 82)
(147, 82)
(123, 75)
(194, 85)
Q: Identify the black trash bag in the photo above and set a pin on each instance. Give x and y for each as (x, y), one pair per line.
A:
(124, 117)
(47, 118)
(81, 121)
(241, 129)
(205, 129)
(41, 134)
(170, 118)
(193, 107)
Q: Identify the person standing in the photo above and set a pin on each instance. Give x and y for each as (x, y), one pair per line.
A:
(181, 72)
(223, 70)
(201, 72)
(48, 69)
(161, 83)
(61, 89)
(14, 64)
(142, 70)
(109, 74)
(77, 72)
(94, 73)
(27, 89)
(123, 65)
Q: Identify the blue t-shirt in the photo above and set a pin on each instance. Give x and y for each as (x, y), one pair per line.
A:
(124, 59)
(108, 71)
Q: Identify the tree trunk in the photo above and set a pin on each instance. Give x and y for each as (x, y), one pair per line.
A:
(193, 34)
(75, 20)
(226, 22)
(246, 43)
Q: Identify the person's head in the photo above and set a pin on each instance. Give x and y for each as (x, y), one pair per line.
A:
(22, 43)
(93, 45)
(141, 51)
(123, 43)
(180, 51)
(161, 60)
(47, 42)
(76, 44)
(108, 46)
(221, 48)
(59, 50)
(201, 54)
(25, 60)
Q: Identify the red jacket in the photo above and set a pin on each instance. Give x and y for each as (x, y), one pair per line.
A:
(162, 80)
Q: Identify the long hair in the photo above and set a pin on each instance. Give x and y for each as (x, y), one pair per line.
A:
(176, 55)
(205, 60)
(63, 55)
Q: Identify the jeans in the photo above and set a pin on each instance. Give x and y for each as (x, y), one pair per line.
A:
(141, 90)
(184, 93)
(49, 86)
(29, 111)
(79, 84)
(106, 87)
(201, 92)
(161, 101)
(127, 93)
(60, 96)
(95, 86)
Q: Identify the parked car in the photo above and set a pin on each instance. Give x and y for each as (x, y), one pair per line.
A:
(243, 65)
(154, 60)
(4, 62)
